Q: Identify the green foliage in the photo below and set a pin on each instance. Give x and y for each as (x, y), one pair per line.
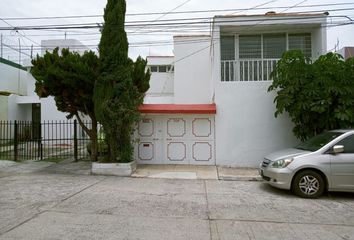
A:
(69, 77)
(121, 86)
(318, 95)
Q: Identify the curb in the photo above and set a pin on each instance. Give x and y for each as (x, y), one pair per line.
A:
(240, 178)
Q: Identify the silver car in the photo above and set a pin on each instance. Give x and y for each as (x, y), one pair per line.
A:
(324, 162)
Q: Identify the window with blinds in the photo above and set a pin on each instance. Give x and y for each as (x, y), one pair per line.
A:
(227, 45)
(274, 45)
(256, 55)
(301, 41)
(250, 46)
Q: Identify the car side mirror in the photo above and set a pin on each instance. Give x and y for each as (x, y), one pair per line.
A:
(338, 149)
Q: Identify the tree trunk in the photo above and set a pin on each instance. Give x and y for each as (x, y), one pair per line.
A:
(94, 142)
(92, 133)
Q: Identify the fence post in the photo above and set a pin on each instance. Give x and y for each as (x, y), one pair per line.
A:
(39, 140)
(75, 140)
(15, 141)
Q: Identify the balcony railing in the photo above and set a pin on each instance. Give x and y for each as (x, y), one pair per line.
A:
(247, 70)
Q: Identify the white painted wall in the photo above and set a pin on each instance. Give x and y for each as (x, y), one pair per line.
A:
(161, 84)
(3, 108)
(319, 42)
(49, 110)
(192, 83)
(246, 129)
(12, 79)
(72, 44)
(19, 112)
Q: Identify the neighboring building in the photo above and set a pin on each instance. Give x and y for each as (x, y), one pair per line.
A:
(347, 52)
(15, 84)
(214, 108)
(18, 100)
(72, 44)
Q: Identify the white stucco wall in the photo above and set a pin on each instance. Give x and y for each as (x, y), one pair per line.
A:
(19, 112)
(192, 82)
(319, 42)
(3, 108)
(246, 129)
(49, 110)
(245, 126)
(161, 84)
(13, 79)
(72, 44)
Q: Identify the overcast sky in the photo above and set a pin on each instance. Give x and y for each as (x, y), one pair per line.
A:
(343, 35)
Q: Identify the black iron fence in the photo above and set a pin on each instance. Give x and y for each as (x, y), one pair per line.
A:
(49, 140)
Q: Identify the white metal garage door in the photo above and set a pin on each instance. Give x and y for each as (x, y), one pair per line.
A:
(176, 139)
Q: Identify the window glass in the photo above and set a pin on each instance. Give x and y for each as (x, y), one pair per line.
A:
(153, 68)
(274, 45)
(348, 144)
(162, 68)
(301, 41)
(315, 143)
(227, 45)
(250, 46)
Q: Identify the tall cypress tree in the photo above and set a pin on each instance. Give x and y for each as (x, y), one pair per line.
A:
(120, 88)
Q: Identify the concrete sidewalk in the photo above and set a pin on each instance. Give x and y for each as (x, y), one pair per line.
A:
(197, 172)
(69, 166)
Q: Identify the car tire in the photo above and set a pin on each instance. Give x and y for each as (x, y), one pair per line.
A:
(308, 184)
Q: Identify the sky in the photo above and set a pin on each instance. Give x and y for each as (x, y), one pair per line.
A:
(143, 40)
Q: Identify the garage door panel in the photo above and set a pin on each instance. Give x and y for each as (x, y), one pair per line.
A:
(176, 127)
(146, 151)
(176, 152)
(176, 139)
(146, 127)
(202, 128)
(202, 152)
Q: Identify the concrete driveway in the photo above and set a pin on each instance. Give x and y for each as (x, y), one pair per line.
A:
(44, 205)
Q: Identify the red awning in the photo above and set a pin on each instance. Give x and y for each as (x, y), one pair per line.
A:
(178, 108)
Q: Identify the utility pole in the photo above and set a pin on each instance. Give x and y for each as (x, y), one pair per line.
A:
(32, 51)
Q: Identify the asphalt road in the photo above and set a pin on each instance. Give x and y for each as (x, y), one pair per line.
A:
(42, 205)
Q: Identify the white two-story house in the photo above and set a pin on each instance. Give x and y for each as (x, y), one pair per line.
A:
(209, 103)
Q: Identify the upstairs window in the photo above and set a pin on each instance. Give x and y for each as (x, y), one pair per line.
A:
(227, 45)
(301, 41)
(161, 68)
(274, 45)
(250, 46)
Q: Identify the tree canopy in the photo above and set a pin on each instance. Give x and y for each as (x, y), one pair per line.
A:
(121, 86)
(318, 96)
(69, 77)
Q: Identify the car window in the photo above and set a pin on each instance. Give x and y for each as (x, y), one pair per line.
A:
(315, 143)
(348, 144)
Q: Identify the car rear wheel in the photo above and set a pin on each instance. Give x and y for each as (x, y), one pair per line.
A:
(308, 184)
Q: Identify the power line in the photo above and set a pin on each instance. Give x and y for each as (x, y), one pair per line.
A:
(161, 42)
(174, 24)
(177, 12)
(18, 31)
(163, 15)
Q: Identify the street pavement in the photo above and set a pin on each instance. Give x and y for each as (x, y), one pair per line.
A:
(45, 204)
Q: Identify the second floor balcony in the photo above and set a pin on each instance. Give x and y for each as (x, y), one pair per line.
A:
(253, 57)
(247, 70)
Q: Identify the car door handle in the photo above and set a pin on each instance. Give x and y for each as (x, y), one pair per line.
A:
(155, 139)
(169, 139)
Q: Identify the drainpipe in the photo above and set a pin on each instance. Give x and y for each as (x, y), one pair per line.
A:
(1, 46)
(19, 70)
